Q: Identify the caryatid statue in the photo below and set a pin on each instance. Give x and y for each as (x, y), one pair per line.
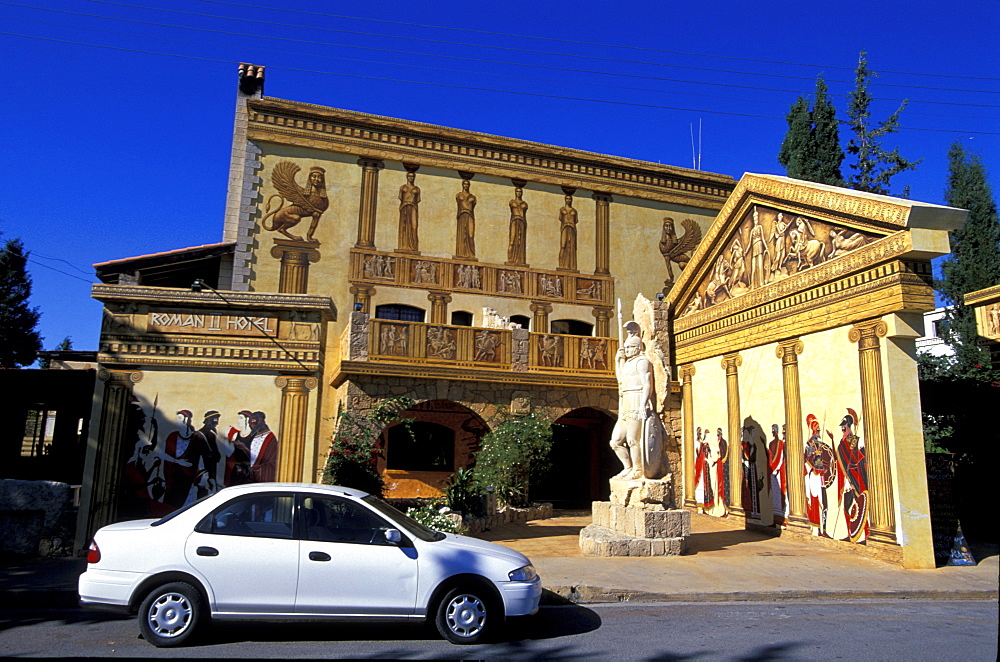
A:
(518, 228)
(409, 201)
(465, 237)
(637, 436)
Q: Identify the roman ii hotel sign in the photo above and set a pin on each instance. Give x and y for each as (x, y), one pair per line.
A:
(228, 323)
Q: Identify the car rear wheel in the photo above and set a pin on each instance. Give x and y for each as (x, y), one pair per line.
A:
(465, 615)
(171, 614)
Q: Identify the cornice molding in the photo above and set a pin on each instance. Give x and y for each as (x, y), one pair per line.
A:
(177, 296)
(372, 136)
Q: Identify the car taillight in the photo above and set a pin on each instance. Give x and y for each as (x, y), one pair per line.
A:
(93, 554)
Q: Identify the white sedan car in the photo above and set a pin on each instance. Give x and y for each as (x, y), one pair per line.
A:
(277, 551)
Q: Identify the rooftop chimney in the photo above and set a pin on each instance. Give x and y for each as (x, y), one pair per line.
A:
(251, 80)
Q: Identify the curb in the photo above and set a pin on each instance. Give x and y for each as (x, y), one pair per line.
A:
(582, 594)
(19, 599)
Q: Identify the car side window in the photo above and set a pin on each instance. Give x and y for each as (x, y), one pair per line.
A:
(339, 520)
(259, 516)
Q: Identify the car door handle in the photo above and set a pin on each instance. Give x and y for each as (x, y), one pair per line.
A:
(207, 551)
(319, 556)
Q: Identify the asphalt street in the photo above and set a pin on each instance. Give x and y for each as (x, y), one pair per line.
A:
(787, 630)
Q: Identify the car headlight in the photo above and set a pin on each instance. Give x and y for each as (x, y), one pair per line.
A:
(525, 574)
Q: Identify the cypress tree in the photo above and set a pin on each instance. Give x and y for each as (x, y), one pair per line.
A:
(875, 165)
(811, 149)
(19, 341)
(974, 263)
(793, 154)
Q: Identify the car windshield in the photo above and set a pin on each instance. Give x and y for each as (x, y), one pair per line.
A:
(408, 524)
(177, 512)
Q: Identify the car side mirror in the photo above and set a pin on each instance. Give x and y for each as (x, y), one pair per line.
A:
(393, 536)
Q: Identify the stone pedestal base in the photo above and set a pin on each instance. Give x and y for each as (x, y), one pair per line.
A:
(638, 521)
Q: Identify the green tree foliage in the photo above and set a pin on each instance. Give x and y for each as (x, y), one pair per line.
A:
(513, 453)
(65, 344)
(974, 263)
(355, 451)
(875, 165)
(811, 149)
(19, 341)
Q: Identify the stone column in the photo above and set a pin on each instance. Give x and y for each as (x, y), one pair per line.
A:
(439, 307)
(687, 409)
(363, 295)
(540, 323)
(730, 363)
(788, 351)
(603, 327)
(292, 431)
(295, 257)
(881, 511)
(369, 202)
(103, 463)
(603, 215)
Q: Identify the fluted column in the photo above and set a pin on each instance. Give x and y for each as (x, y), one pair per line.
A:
(439, 307)
(362, 295)
(369, 201)
(602, 328)
(540, 323)
(292, 431)
(602, 243)
(687, 411)
(788, 351)
(295, 257)
(730, 363)
(881, 512)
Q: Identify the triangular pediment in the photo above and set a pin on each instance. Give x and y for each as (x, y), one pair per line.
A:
(776, 235)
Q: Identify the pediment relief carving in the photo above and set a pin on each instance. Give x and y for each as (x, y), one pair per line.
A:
(768, 245)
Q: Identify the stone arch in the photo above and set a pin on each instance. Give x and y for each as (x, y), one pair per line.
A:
(582, 461)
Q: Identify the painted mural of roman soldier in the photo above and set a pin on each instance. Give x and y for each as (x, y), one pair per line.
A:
(180, 475)
(852, 481)
(263, 451)
(779, 475)
(703, 493)
(821, 471)
(205, 455)
(238, 460)
(721, 476)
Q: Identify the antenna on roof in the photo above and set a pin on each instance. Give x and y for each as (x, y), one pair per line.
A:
(699, 144)
(694, 160)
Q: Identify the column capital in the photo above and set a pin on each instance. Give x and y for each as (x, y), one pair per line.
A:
(540, 307)
(730, 362)
(602, 197)
(297, 383)
(371, 163)
(120, 378)
(442, 297)
(866, 334)
(788, 350)
(687, 372)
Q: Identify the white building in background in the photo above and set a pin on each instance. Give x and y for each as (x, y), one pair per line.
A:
(935, 323)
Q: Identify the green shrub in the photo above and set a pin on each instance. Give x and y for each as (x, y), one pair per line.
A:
(355, 452)
(513, 453)
(464, 495)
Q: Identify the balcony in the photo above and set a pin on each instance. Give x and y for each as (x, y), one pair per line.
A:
(441, 351)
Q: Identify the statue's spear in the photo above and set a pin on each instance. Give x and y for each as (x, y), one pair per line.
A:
(619, 322)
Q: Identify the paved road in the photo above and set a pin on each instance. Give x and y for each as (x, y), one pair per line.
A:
(909, 629)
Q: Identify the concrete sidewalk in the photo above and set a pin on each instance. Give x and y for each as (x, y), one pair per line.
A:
(727, 563)
(722, 563)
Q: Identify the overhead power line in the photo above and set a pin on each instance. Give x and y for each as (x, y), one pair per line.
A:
(466, 44)
(461, 87)
(581, 42)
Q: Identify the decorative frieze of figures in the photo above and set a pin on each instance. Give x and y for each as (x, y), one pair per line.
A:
(440, 342)
(380, 266)
(394, 340)
(425, 272)
(770, 246)
(588, 289)
(551, 286)
(487, 343)
(509, 282)
(593, 354)
(550, 350)
(468, 276)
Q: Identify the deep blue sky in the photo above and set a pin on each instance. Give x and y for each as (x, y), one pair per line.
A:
(115, 147)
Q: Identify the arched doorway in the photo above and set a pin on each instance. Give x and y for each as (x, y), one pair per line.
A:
(582, 461)
(445, 437)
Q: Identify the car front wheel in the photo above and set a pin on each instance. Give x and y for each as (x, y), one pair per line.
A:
(170, 614)
(465, 616)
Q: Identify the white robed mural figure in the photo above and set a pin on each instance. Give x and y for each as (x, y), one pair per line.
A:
(637, 438)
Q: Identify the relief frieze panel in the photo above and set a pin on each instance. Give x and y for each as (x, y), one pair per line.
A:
(768, 247)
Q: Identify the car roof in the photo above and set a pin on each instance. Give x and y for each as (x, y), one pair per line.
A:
(250, 488)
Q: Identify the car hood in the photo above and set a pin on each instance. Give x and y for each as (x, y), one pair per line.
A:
(483, 547)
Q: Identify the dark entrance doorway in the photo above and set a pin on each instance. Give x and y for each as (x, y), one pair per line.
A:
(582, 461)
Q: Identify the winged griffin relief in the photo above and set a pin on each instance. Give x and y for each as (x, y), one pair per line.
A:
(308, 201)
(678, 250)
(769, 246)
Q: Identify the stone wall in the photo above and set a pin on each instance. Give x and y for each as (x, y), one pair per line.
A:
(37, 517)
